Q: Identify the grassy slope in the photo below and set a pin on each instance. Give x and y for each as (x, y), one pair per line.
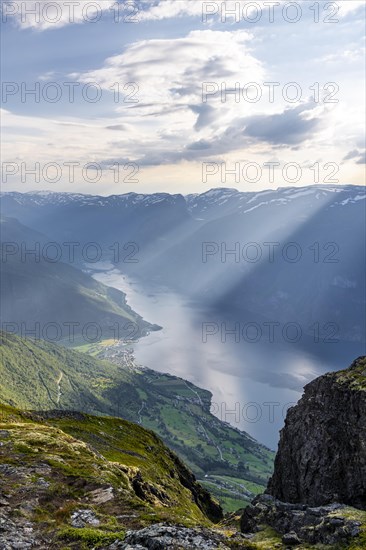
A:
(74, 455)
(49, 293)
(37, 375)
(354, 376)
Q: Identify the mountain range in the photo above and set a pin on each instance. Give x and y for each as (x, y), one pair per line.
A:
(279, 255)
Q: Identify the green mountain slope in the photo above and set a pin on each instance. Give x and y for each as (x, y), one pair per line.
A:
(68, 305)
(40, 376)
(123, 474)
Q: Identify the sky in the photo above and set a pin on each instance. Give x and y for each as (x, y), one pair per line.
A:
(108, 97)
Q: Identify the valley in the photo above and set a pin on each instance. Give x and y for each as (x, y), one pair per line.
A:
(184, 316)
(228, 461)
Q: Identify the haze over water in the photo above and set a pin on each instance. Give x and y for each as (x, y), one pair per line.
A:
(253, 384)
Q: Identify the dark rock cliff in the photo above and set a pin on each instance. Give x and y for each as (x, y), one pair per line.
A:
(322, 451)
(319, 479)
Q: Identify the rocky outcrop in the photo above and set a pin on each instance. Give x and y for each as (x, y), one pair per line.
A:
(317, 494)
(201, 496)
(322, 451)
(162, 537)
(299, 523)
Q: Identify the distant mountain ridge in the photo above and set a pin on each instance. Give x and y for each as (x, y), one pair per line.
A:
(214, 203)
(211, 196)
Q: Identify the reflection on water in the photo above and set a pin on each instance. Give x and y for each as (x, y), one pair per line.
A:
(252, 384)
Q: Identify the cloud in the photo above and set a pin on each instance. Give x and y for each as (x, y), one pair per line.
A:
(287, 128)
(352, 154)
(205, 11)
(170, 122)
(290, 127)
(175, 68)
(200, 145)
(208, 12)
(171, 126)
(42, 15)
(356, 54)
(356, 154)
(362, 158)
(168, 9)
(118, 127)
(349, 6)
(206, 115)
(167, 77)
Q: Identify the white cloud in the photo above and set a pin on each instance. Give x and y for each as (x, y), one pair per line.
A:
(355, 54)
(206, 10)
(349, 6)
(52, 14)
(171, 123)
(168, 9)
(231, 10)
(170, 75)
(165, 164)
(45, 14)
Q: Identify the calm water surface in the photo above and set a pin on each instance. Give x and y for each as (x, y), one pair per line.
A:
(252, 384)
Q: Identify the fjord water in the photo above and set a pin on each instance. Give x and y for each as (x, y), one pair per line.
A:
(253, 384)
